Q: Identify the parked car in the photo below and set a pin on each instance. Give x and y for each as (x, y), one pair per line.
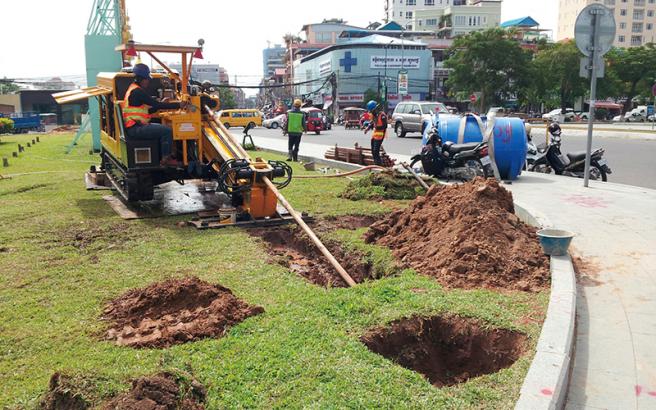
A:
(633, 116)
(411, 116)
(275, 122)
(554, 115)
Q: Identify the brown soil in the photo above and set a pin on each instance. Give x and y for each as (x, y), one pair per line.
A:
(466, 236)
(160, 392)
(587, 272)
(173, 312)
(298, 253)
(446, 350)
(64, 394)
(350, 222)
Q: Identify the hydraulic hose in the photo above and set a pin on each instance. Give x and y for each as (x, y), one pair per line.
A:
(346, 174)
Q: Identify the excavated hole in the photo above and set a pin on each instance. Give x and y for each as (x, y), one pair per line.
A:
(447, 350)
(350, 222)
(298, 253)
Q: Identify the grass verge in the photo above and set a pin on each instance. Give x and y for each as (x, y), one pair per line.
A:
(64, 253)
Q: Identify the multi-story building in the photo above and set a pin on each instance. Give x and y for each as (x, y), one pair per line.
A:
(455, 20)
(635, 20)
(213, 73)
(273, 58)
(403, 11)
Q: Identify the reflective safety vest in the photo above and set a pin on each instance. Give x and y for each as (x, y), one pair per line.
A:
(379, 127)
(294, 122)
(134, 114)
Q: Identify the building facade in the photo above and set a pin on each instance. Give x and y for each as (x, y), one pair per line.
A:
(403, 11)
(273, 58)
(456, 20)
(213, 73)
(635, 20)
(366, 64)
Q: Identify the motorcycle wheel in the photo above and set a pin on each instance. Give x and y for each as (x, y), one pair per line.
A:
(477, 166)
(597, 172)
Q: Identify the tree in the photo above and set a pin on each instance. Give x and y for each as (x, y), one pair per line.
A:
(372, 95)
(556, 74)
(227, 98)
(490, 62)
(6, 86)
(635, 68)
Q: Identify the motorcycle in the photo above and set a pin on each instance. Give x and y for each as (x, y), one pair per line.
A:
(454, 161)
(572, 164)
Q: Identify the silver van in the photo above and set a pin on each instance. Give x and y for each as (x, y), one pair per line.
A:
(410, 116)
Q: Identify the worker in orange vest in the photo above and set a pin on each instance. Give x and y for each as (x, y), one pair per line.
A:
(138, 106)
(379, 125)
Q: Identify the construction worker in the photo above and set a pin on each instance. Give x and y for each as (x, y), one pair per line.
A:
(138, 106)
(379, 125)
(295, 126)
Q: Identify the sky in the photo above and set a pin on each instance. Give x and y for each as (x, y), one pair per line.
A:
(46, 37)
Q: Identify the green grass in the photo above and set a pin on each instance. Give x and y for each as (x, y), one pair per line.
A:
(302, 352)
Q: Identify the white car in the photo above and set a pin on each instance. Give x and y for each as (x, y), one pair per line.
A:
(630, 117)
(554, 115)
(275, 122)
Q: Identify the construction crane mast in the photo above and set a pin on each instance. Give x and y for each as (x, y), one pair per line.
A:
(107, 28)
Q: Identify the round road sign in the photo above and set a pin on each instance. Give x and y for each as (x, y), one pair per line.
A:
(472, 98)
(585, 29)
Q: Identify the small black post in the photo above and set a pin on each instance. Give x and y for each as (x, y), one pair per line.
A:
(14, 154)
(5, 162)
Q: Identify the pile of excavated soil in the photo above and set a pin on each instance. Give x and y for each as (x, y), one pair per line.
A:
(388, 184)
(160, 392)
(65, 393)
(297, 252)
(447, 350)
(164, 391)
(172, 312)
(466, 236)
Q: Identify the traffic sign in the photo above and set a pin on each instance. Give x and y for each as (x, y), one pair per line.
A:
(472, 98)
(587, 34)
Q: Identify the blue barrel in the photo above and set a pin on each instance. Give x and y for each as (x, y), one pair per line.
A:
(509, 140)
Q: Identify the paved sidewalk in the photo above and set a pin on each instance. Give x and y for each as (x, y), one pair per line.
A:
(614, 366)
(615, 359)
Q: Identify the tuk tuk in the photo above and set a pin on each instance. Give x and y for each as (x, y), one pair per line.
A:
(314, 120)
(352, 117)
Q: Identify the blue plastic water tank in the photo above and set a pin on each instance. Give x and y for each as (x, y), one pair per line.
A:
(509, 140)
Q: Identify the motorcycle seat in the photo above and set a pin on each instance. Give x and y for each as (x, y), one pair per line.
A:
(456, 148)
(576, 156)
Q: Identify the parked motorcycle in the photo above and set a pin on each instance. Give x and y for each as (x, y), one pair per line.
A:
(571, 164)
(454, 161)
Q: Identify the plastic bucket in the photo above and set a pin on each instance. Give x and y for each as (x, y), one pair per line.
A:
(555, 242)
(509, 140)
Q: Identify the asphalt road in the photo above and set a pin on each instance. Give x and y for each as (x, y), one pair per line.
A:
(632, 158)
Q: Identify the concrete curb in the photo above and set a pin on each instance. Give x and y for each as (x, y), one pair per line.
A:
(545, 385)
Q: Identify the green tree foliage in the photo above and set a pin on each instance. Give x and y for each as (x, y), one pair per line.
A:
(490, 62)
(634, 70)
(227, 98)
(555, 75)
(7, 87)
(6, 125)
(372, 95)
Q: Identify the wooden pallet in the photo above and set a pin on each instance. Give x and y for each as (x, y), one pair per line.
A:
(357, 155)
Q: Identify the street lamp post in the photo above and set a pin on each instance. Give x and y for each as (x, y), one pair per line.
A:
(385, 77)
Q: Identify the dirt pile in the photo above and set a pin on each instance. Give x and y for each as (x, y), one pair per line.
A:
(297, 252)
(172, 312)
(160, 392)
(467, 236)
(389, 184)
(65, 393)
(446, 350)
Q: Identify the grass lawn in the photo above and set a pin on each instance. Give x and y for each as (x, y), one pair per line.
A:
(64, 253)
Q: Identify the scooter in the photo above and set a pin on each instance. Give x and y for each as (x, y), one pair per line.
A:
(454, 161)
(572, 164)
